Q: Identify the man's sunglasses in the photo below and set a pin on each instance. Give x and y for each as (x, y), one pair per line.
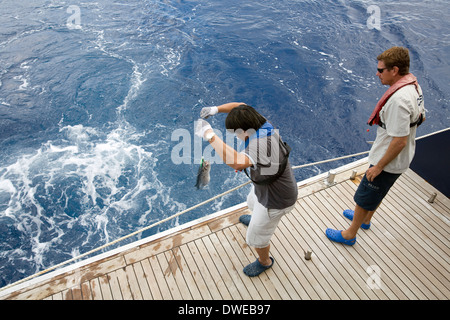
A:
(381, 70)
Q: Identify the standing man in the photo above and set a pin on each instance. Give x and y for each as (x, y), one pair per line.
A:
(398, 114)
(274, 191)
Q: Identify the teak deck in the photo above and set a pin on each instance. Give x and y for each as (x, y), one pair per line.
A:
(404, 255)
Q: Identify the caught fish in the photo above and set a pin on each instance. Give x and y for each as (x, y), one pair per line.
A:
(203, 174)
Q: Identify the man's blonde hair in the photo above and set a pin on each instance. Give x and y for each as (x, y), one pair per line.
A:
(396, 57)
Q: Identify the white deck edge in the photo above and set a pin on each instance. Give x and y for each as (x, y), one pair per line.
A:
(162, 234)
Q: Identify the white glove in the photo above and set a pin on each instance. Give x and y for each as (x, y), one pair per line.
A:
(201, 126)
(206, 112)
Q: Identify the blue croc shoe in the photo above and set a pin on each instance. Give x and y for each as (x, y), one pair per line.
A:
(245, 219)
(256, 268)
(336, 236)
(349, 215)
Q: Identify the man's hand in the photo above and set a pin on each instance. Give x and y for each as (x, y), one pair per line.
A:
(395, 147)
(373, 172)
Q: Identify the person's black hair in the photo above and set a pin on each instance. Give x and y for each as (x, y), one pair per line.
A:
(244, 117)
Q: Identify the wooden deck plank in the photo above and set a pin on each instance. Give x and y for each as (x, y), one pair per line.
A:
(71, 278)
(416, 219)
(204, 271)
(420, 187)
(86, 291)
(216, 261)
(435, 220)
(228, 265)
(413, 259)
(237, 266)
(168, 275)
(195, 272)
(228, 220)
(133, 283)
(151, 280)
(142, 279)
(186, 273)
(381, 241)
(67, 294)
(426, 188)
(423, 254)
(383, 244)
(434, 214)
(105, 288)
(167, 243)
(160, 279)
(96, 291)
(123, 284)
(57, 296)
(356, 256)
(76, 293)
(216, 277)
(173, 257)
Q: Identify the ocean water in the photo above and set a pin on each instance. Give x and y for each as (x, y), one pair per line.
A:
(92, 92)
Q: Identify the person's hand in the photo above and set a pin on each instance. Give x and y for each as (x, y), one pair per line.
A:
(201, 127)
(207, 112)
(373, 172)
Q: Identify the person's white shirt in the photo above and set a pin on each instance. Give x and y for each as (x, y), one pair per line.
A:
(403, 108)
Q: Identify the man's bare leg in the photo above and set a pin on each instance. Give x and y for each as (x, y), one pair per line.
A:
(263, 254)
(360, 216)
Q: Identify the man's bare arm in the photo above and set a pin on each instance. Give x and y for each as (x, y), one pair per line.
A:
(395, 147)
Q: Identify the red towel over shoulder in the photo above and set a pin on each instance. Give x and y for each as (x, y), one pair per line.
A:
(404, 81)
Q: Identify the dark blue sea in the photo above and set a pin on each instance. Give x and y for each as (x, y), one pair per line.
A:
(92, 91)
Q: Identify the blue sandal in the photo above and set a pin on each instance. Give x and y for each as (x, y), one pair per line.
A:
(336, 236)
(256, 268)
(349, 215)
(245, 219)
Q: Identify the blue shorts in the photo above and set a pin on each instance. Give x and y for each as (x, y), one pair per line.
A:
(370, 194)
